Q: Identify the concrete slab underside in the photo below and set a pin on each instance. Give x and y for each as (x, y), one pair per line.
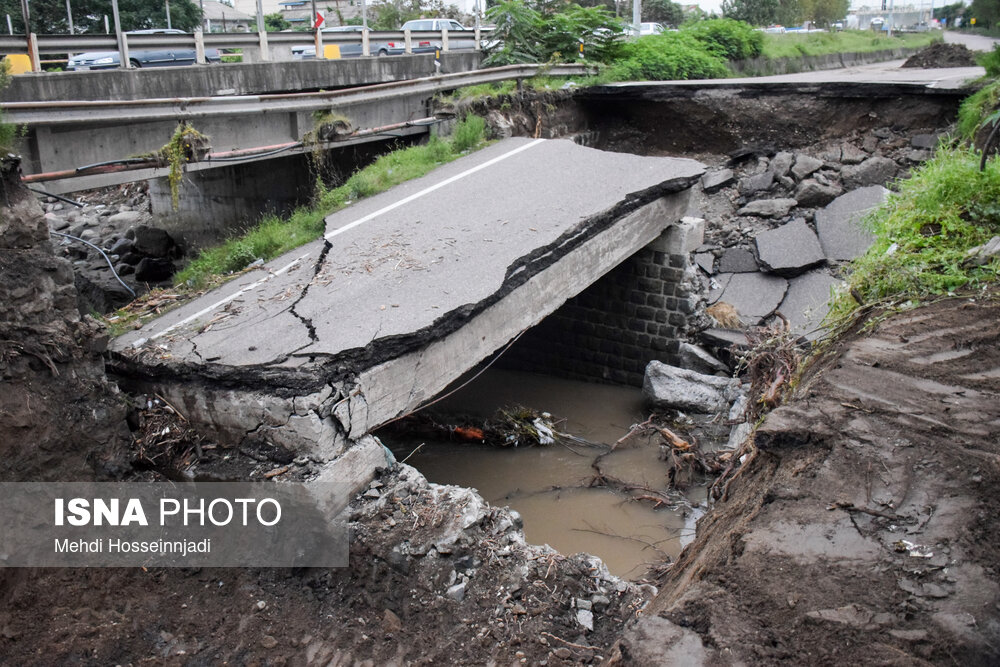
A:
(408, 290)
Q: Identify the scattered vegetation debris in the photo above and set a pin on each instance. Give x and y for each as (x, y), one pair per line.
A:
(510, 427)
(769, 366)
(163, 440)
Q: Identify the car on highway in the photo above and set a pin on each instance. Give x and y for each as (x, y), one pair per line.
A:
(308, 51)
(162, 57)
(651, 29)
(456, 42)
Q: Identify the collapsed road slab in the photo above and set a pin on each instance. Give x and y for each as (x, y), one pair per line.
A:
(407, 290)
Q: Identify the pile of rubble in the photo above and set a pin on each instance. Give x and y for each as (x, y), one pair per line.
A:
(116, 221)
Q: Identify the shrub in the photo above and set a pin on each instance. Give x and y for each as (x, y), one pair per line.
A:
(667, 57)
(468, 134)
(991, 61)
(976, 108)
(728, 38)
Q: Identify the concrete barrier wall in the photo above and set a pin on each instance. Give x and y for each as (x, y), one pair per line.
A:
(230, 78)
(768, 66)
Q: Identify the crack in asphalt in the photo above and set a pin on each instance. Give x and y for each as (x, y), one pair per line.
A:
(310, 327)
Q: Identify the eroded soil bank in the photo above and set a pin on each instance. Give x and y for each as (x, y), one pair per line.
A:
(865, 530)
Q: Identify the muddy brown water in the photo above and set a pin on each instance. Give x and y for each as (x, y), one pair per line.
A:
(547, 485)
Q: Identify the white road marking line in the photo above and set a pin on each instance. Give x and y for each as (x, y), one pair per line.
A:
(341, 230)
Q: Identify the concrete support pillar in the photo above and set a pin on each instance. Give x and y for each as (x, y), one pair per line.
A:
(262, 38)
(199, 47)
(444, 40)
(407, 41)
(36, 64)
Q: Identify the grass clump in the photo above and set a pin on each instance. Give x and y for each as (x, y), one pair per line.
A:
(728, 38)
(924, 232)
(990, 61)
(665, 57)
(8, 131)
(275, 235)
(975, 109)
(794, 45)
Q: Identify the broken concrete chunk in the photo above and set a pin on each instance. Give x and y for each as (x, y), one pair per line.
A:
(667, 386)
(737, 260)
(983, 254)
(756, 183)
(790, 249)
(806, 302)
(924, 141)
(754, 295)
(805, 165)
(813, 193)
(456, 592)
(706, 261)
(873, 171)
(782, 163)
(697, 359)
(839, 225)
(768, 208)
(851, 154)
(585, 617)
(714, 181)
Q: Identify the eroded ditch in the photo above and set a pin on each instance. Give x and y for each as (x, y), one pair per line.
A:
(409, 580)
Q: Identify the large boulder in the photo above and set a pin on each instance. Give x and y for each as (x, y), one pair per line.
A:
(666, 386)
(153, 242)
(873, 171)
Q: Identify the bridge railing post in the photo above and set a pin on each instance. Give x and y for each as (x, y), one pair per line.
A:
(366, 43)
(199, 47)
(407, 41)
(444, 39)
(262, 40)
(126, 60)
(479, 37)
(319, 44)
(36, 64)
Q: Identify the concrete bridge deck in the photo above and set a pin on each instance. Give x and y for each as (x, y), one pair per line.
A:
(406, 291)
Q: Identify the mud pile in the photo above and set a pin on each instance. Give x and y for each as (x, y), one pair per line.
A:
(62, 419)
(942, 55)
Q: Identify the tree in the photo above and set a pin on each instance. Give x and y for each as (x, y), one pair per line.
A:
(88, 15)
(754, 12)
(950, 12)
(824, 12)
(986, 12)
(272, 23)
(663, 11)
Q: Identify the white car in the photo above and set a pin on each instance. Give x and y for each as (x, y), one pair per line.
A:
(651, 29)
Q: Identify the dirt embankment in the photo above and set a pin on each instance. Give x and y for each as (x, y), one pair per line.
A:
(866, 529)
(59, 416)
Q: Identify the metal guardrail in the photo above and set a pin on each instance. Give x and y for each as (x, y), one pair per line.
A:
(63, 44)
(40, 113)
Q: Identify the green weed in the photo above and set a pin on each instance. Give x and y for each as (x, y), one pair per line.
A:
(276, 235)
(924, 231)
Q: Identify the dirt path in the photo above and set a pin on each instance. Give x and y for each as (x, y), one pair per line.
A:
(866, 529)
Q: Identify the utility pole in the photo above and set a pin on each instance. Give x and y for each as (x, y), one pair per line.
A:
(168, 15)
(122, 44)
(69, 17)
(636, 16)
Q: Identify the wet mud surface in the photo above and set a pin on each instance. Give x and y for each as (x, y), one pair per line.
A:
(866, 527)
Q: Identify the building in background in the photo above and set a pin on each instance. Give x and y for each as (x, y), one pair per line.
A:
(221, 17)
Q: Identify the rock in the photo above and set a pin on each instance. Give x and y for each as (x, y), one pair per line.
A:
(756, 183)
(805, 165)
(124, 269)
(585, 617)
(917, 157)
(562, 653)
(261, 605)
(851, 154)
(768, 208)
(873, 171)
(723, 338)
(924, 141)
(391, 622)
(57, 224)
(581, 603)
(267, 641)
(782, 163)
(839, 227)
(120, 247)
(697, 359)
(790, 249)
(754, 295)
(153, 241)
(714, 181)
(806, 302)
(125, 218)
(154, 270)
(667, 386)
(706, 261)
(89, 235)
(371, 493)
(813, 193)
(456, 592)
(737, 260)
(983, 254)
